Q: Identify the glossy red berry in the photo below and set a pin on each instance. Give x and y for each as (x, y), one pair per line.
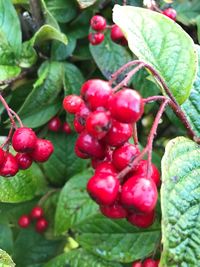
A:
(90, 146)
(115, 211)
(117, 35)
(82, 115)
(24, 160)
(66, 128)
(98, 123)
(37, 212)
(2, 157)
(9, 167)
(106, 167)
(24, 140)
(96, 38)
(98, 23)
(41, 225)
(24, 221)
(123, 155)
(139, 193)
(72, 103)
(118, 134)
(137, 264)
(103, 188)
(150, 263)
(43, 150)
(170, 13)
(126, 106)
(141, 220)
(79, 153)
(54, 124)
(96, 93)
(78, 127)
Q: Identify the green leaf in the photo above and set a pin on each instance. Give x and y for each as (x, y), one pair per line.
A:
(49, 18)
(86, 3)
(6, 238)
(60, 51)
(180, 202)
(109, 56)
(28, 55)
(162, 43)
(5, 259)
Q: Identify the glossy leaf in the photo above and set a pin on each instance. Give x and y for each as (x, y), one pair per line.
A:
(60, 51)
(5, 259)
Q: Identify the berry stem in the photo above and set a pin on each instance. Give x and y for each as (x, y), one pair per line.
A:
(8, 137)
(135, 135)
(3, 101)
(124, 2)
(17, 117)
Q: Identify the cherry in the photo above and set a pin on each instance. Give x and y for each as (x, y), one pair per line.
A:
(118, 134)
(103, 188)
(24, 221)
(24, 140)
(9, 167)
(96, 38)
(123, 155)
(140, 193)
(41, 225)
(98, 23)
(43, 150)
(170, 13)
(36, 212)
(54, 124)
(66, 128)
(79, 153)
(82, 114)
(78, 126)
(90, 146)
(24, 160)
(2, 157)
(98, 123)
(96, 93)
(72, 103)
(150, 263)
(142, 220)
(126, 106)
(137, 264)
(117, 35)
(106, 167)
(115, 211)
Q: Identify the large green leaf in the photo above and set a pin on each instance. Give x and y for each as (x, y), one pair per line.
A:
(5, 259)
(6, 238)
(180, 202)
(163, 44)
(60, 51)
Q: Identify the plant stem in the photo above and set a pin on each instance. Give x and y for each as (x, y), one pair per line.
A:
(17, 117)
(3, 101)
(36, 11)
(8, 137)
(135, 135)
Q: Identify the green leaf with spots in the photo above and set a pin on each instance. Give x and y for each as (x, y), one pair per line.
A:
(5, 259)
(163, 44)
(180, 202)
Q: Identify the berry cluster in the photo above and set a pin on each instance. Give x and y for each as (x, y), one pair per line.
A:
(29, 148)
(56, 125)
(37, 214)
(104, 120)
(146, 263)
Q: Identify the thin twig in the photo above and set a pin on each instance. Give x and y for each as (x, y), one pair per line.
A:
(17, 117)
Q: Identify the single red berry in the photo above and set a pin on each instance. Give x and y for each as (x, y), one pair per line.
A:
(98, 123)
(72, 103)
(98, 23)
(82, 114)
(24, 140)
(170, 13)
(139, 193)
(117, 35)
(108, 158)
(96, 38)
(90, 146)
(43, 150)
(118, 134)
(137, 264)
(115, 211)
(9, 167)
(123, 155)
(54, 124)
(24, 221)
(78, 127)
(103, 188)
(96, 93)
(41, 225)
(2, 157)
(105, 167)
(141, 220)
(126, 106)
(37, 212)
(66, 128)
(80, 154)
(24, 160)
(150, 263)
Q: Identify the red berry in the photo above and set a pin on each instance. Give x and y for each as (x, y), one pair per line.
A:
(90, 146)
(37, 212)
(96, 93)
(142, 220)
(96, 38)
(137, 264)
(24, 160)
(79, 153)
(170, 13)
(98, 23)
(118, 134)
(43, 150)
(66, 128)
(78, 126)
(24, 221)
(115, 211)
(24, 140)
(41, 225)
(82, 114)
(2, 157)
(150, 263)
(10, 166)
(98, 123)
(139, 193)
(106, 167)
(103, 188)
(54, 124)
(126, 106)
(125, 154)
(117, 35)
(72, 103)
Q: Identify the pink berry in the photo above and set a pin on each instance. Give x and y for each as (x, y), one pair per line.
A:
(24, 221)
(72, 103)
(66, 128)
(43, 150)
(54, 124)
(117, 35)
(24, 160)
(80, 154)
(82, 115)
(170, 13)
(141, 220)
(36, 212)
(137, 264)
(78, 127)
(115, 211)
(106, 167)
(9, 167)
(150, 263)
(2, 157)
(98, 23)
(24, 140)
(96, 38)
(41, 225)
